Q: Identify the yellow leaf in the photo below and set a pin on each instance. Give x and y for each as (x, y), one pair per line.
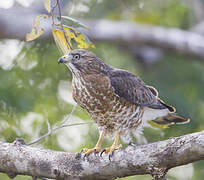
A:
(156, 125)
(78, 37)
(60, 40)
(82, 43)
(37, 19)
(36, 30)
(34, 34)
(65, 44)
(47, 4)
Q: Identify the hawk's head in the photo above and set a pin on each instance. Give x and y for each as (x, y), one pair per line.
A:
(83, 61)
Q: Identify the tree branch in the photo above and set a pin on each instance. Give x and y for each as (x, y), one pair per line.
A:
(131, 34)
(155, 159)
(123, 33)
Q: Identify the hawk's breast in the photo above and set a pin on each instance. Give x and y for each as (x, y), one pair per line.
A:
(111, 113)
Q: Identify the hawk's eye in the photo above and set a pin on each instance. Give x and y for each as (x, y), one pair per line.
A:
(76, 56)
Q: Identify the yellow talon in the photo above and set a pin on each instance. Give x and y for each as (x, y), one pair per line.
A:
(97, 148)
(114, 147)
(111, 149)
(89, 151)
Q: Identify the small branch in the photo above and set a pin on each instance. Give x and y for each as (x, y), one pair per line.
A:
(52, 13)
(155, 159)
(69, 125)
(44, 136)
(62, 125)
(131, 34)
(60, 16)
(69, 115)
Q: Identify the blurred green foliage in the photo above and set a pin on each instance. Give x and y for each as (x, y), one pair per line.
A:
(32, 86)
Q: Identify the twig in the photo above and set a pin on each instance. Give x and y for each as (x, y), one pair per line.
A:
(45, 135)
(60, 17)
(75, 124)
(69, 116)
(62, 125)
(52, 13)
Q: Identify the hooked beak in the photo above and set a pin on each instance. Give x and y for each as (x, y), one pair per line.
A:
(61, 60)
(65, 59)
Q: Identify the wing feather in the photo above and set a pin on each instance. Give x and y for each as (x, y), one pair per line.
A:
(153, 90)
(133, 89)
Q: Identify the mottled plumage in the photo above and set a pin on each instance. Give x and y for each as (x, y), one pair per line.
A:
(117, 100)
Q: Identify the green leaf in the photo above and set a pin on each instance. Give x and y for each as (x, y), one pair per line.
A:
(68, 21)
(47, 4)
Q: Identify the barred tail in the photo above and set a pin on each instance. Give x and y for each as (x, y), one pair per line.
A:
(171, 118)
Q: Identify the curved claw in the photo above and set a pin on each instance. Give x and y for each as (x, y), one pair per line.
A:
(104, 150)
(110, 150)
(84, 156)
(89, 151)
(111, 154)
(109, 157)
(132, 144)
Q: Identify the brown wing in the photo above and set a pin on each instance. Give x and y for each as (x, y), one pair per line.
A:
(133, 89)
(153, 90)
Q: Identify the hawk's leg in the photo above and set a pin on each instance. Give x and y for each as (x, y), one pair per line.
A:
(114, 146)
(97, 147)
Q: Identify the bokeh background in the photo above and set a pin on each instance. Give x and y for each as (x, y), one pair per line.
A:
(32, 84)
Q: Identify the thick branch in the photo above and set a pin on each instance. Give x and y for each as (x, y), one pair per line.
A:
(155, 159)
(124, 33)
(130, 34)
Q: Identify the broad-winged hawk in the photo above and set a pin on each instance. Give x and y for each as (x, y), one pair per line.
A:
(117, 100)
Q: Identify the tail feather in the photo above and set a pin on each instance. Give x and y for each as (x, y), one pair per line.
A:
(171, 118)
(170, 108)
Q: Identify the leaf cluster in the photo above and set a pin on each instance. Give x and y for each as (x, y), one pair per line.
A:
(64, 29)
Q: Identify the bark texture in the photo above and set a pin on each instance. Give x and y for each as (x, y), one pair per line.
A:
(154, 158)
